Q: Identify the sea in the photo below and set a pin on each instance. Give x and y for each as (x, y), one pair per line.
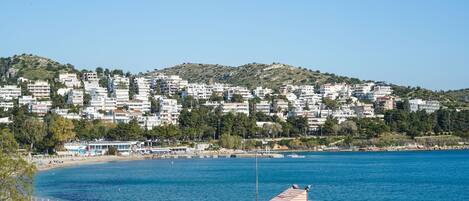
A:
(350, 176)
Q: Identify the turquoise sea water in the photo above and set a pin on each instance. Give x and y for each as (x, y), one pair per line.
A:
(437, 175)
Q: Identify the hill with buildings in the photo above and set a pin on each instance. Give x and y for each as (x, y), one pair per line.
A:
(254, 74)
(251, 75)
(31, 67)
(275, 75)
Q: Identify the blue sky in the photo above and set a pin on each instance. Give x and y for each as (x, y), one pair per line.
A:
(418, 43)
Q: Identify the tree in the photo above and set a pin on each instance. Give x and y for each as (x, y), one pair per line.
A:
(331, 104)
(33, 131)
(216, 98)
(61, 130)
(16, 174)
(348, 128)
(99, 71)
(126, 131)
(155, 105)
(236, 98)
(230, 141)
(331, 126)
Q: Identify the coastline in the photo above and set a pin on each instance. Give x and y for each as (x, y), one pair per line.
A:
(49, 163)
(61, 162)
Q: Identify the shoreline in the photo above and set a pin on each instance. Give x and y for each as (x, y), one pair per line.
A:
(49, 163)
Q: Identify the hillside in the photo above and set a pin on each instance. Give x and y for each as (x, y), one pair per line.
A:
(254, 74)
(275, 75)
(250, 75)
(31, 67)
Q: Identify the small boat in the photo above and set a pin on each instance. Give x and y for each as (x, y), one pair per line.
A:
(295, 156)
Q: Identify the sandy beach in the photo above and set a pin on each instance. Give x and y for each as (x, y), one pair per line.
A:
(48, 163)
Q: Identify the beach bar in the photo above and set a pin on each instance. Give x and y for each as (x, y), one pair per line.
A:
(124, 147)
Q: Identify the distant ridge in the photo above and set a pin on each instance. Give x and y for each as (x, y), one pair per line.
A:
(250, 75)
(254, 74)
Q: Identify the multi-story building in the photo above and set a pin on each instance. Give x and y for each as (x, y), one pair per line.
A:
(172, 84)
(428, 105)
(243, 91)
(218, 88)
(198, 91)
(39, 89)
(263, 107)
(333, 91)
(143, 86)
(26, 100)
(90, 76)
(65, 113)
(280, 105)
(40, 108)
(169, 111)
(378, 92)
(10, 92)
(385, 103)
(235, 107)
(262, 92)
(122, 96)
(69, 80)
(362, 90)
(98, 92)
(6, 105)
(139, 105)
(103, 103)
(363, 110)
(119, 82)
(75, 97)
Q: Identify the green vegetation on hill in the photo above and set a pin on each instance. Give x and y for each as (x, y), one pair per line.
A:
(254, 74)
(31, 67)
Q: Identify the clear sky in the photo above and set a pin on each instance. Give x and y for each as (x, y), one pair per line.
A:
(410, 42)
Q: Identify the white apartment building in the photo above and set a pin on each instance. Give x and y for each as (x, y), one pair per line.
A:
(122, 96)
(243, 91)
(427, 105)
(280, 105)
(143, 86)
(333, 91)
(235, 107)
(89, 85)
(363, 110)
(103, 103)
(26, 100)
(287, 89)
(198, 91)
(310, 98)
(305, 89)
(40, 108)
(149, 122)
(361, 90)
(169, 111)
(218, 88)
(379, 92)
(75, 97)
(69, 79)
(98, 92)
(263, 107)
(6, 105)
(262, 92)
(66, 114)
(172, 84)
(90, 76)
(10, 92)
(139, 105)
(119, 82)
(39, 89)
